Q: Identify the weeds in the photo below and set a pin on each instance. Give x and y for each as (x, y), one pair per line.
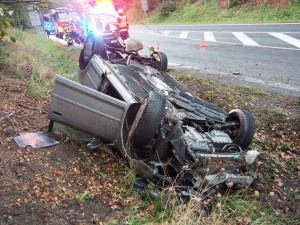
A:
(209, 12)
(84, 196)
(87, 158)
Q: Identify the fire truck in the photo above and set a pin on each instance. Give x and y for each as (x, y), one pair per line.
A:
(63, 22)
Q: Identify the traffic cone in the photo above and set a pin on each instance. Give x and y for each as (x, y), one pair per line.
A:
(157, 46)
(202, 43)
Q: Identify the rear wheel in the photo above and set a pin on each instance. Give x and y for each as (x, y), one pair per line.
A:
(92, 46)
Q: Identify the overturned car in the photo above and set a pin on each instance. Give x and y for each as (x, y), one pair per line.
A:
(173, 137)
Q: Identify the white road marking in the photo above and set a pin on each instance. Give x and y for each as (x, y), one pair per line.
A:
(209, 36)
(184, 34)
(249, 79)
(166, 32)
(222, 42)
(244, 39)
(286, 38)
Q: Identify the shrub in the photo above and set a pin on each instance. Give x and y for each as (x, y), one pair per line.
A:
(165, 8)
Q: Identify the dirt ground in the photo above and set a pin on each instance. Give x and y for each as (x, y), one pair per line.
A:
(68, 184)
(49, 185)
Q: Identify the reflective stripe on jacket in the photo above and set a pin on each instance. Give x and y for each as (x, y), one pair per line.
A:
(122, 23)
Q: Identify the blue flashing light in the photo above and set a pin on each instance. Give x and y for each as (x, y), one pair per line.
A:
(49, 26)
(92, 29)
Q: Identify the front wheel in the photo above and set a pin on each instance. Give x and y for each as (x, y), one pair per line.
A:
(162, 60)
(245, 128)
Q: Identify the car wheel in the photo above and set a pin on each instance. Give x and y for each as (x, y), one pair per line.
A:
(162, 60)
(244, 132)
(93, 46)
(61, 35)
(149, 122)
(82, 63)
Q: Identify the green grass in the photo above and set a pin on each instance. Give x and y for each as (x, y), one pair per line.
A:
(208, 12)
(84, 196)
(275, 135)
(40, 59)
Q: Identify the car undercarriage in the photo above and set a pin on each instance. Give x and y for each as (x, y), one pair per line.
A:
(173, 138)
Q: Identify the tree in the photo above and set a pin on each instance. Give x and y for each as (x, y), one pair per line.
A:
(4, 23)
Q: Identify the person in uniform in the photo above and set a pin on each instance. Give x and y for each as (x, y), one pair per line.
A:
(122, 25)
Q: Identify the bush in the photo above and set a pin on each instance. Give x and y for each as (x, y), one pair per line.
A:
(165, 8)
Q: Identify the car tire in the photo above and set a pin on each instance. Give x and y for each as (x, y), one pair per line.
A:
(82, 63)
(99, 48)
(244, 133)
(149, 122)
(163, 61)
(96, 46)
(92, 46)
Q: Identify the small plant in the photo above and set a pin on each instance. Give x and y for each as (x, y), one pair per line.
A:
(20, 74)
(84, 196)
(87, 159)
(100, 175)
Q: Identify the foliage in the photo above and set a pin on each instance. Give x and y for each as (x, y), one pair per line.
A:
(232, 3)
(165, 8)
(84, 196)
(4, 24)
(20, 18)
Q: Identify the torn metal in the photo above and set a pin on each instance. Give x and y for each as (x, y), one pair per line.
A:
(35, 140)
(174, 138)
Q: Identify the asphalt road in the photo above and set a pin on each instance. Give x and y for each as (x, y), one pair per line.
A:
(266, 56)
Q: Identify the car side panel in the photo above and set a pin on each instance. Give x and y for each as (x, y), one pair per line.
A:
(86, 109)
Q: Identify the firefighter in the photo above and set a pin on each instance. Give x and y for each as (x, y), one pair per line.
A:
(122, 25)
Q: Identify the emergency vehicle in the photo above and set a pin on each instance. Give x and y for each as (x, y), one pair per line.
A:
(48, 23)
(64, 22)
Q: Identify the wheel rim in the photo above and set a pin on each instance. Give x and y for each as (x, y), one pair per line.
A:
(156, 57)
(88, 49)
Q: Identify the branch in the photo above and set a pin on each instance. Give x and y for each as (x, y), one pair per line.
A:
(12, 113)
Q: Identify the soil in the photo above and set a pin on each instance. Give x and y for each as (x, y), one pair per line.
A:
(44, 185)
(68, 184)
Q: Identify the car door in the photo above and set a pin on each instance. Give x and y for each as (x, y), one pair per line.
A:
(86, 109)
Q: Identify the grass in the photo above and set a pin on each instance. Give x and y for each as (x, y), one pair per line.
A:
(38, 60)
(208, 12)
(84, 196)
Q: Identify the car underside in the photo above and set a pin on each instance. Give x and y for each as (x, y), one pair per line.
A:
(174, 138)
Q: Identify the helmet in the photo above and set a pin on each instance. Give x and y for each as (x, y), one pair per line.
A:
(120, 11)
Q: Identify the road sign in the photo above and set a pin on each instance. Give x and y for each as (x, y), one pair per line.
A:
(34, 18)
(144, 5)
